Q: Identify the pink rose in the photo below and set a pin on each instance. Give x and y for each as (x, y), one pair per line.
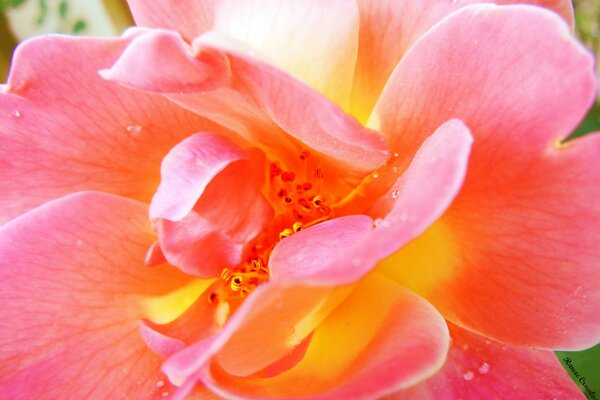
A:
(347, 200)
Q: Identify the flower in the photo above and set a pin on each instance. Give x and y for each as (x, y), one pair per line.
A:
(380, 205)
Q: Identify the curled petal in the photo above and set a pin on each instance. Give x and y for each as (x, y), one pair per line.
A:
(364, 341)
(345, 249)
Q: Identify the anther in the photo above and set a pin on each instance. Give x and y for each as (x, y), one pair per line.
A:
(319, 202)
(236, 283)
(304, 155)
(275, 170)
(285, 233)
(297, 226)
(226, 274)
(288, 176)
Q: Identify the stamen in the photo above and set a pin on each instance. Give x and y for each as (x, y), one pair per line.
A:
(226, 274)
(297, 226)
(304, 155)
(285, 233)
(319, 202)
(288, 176)
(236, 283)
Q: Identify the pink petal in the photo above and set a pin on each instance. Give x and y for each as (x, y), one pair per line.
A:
(521, 237)
(389, 28)
(186, 171)
(261, 103)
(360, 350)
(222, 184)
(478, 368)
(65, 129)
(72, 283)
(344, 249)
(188, 17)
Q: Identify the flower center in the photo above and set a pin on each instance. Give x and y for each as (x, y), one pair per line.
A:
(298, 205)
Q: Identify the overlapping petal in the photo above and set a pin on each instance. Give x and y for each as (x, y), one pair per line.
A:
(261, 103)
(479, 368)
(209, 203)
(73, 290)
(389, 28)
(345, 249)
(77, 131)
(315, 42)
(520, 237)
(364, 334)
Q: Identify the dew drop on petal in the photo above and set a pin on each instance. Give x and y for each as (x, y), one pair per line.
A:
(396, 154)
(16, 114)
(395, 194)
(165, 394)
(381, 223)
(375, 175)
(134, 129)
(160, 384)
(483, 368)
(468, 375)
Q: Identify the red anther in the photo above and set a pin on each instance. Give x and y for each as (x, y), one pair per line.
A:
(304, 155)
(288, 176)
(275, 170)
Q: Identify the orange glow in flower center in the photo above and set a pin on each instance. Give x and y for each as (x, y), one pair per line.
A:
(298, 206)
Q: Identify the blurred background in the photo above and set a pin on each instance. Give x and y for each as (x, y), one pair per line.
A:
(21, 19)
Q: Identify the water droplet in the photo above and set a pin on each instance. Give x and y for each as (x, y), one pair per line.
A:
(165, 394)
(396, 154)
(16, 114)
(199, 162)
(483, 368)
(160, 384)
(134, 129)
(395, 169)
(382, 223)
(395, 194)
(468, 375)
(356, 262)
(375, 175)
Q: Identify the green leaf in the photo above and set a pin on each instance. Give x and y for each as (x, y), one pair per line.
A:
(63, 9)
(79, 26)
(583, 367)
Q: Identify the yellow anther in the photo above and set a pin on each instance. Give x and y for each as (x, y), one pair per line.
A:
(297, 226)
(285, 233)
(319, 202)
(236, 283)
(226, 274)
